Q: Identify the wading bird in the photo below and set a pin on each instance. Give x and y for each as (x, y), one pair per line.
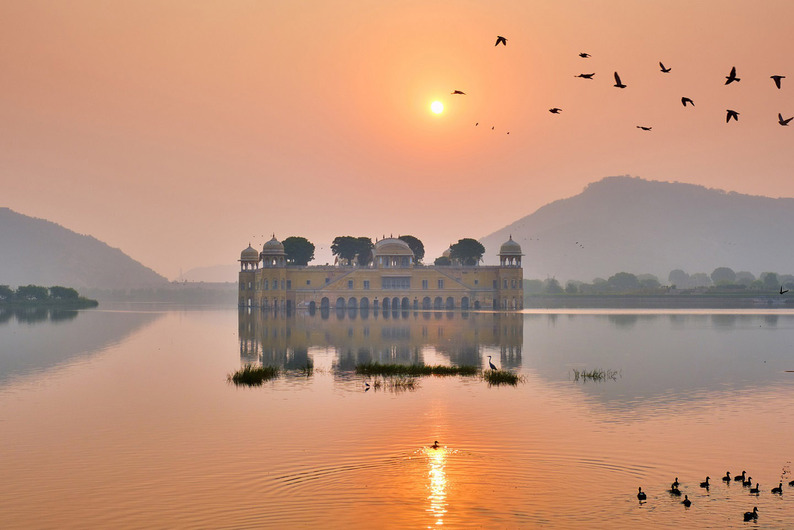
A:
(501, 39)
(781, 121)
(665, 70)
(618, 84)
(685, 100)
(731, 114)
(732, 77)
(492, 365)
(777, 79)
(748, 516)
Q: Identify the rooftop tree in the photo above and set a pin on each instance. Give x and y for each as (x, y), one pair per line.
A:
(417, 247)
(467, 251)
(299, 250)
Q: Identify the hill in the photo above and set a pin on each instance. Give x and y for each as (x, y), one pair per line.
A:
(640, 226)
(40, 252)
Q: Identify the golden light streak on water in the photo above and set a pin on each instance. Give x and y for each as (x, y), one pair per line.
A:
(436, 473)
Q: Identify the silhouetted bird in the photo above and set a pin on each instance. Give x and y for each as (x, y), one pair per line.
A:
(500, 39)
(675, 491)
(781, 121)
(732, 77)
(555, 110)
(685, 100)
(665, 70)
(705, 484)
(675, 484)
(739, 478)
(731, 114)
(618, 84)
(756, 489)
(791, 483)
(644, 128)
(435, 445)
(641, 496)
(747, 483)
(459, 92)
(686, 502)
(749, 516)
(727, 477)
(476, 124)
(492, 365)
(781, 287)
(584, 55)
(585, 76)
(777, 79)
(779, 489)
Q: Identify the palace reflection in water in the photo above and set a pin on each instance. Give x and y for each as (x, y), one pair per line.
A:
(404, 337)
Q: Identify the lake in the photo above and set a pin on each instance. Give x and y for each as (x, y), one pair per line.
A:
(124, 418)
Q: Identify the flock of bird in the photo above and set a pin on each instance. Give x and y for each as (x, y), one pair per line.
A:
(746, 481)
(730, 78)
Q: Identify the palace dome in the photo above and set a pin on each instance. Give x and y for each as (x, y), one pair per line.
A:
(510, 248)
(392, 246)
(249, 254)
(273, 247)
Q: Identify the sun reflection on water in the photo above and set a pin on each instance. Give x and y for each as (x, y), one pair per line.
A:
(436, 462)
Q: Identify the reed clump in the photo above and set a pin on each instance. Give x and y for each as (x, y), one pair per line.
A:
(502, 377)
(413, 370)
(400, 383)
(250, 375)
(595, 375)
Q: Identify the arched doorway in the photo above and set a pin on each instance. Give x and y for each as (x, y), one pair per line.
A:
(437, 303)
(464, 303)
(450, 303)
(352, 303)
(340, 303)
(386, 304)
(405, 304)
(325, 303)
(426, 303)
(364, 304)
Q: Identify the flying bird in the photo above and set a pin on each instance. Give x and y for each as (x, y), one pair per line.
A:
(584, 55)
(781, 121)
(732, 77)
(685, 100)
(618, 84)
(500, 39)
(555, 110)
(643, 128)
(782, 291)
(665, 70)
(585, 76)
(459, 92)
(777, 79)
(731, 114)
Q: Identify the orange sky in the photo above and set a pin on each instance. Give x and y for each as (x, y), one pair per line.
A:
(180, 130)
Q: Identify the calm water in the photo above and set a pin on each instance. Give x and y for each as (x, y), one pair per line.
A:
(125, 419)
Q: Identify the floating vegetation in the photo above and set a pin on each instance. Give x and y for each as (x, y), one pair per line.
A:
(398, 383)
(502, 377)
(413, 370)
(595, 375)
(250, 375)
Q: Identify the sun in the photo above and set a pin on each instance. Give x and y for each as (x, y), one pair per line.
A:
(437, 107)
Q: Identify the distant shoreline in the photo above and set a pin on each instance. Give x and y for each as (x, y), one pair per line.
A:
(80, 303)
(640, 301)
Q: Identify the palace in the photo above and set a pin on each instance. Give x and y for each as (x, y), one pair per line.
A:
(392, 281)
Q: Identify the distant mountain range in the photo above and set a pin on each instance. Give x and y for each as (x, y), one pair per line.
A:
(640, 226)
(40, 252)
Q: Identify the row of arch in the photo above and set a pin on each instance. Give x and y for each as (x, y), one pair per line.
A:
(396, 303)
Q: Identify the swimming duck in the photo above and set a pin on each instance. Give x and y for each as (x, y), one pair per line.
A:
(755, 490)
(751, 515)
(675, 484)
(727, 477)
(675, 491)
(739, 478)
(779, 489)
(747, 483)
(435, 445)
(640, 495)
(686, 502)
(791, 483)
(705, 484)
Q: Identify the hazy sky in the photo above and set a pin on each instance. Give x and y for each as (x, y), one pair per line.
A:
(181, 130)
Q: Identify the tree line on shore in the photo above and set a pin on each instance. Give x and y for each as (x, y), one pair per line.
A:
(722, 279)
(352, 250)
(37, 294)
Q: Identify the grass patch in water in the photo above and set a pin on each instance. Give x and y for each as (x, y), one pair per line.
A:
(595, 375)
(413, 370)
(501, 377)
(250, 375)
(398, 383)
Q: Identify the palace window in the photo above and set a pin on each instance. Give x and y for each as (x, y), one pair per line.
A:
(513, 283)
(476, 281)
(264, 285)
(504, 283)
(440, 284)
(308, 282)
(366, 284)
(495, 284)
(349, 284)
(289, 284)
(424, 284)
(400, 282)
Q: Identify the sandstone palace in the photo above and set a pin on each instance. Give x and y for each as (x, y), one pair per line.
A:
(392, 281)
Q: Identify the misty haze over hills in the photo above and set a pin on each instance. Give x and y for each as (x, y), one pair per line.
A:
(640, 226)
(40, 252)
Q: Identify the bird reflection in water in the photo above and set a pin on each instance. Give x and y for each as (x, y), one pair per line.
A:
(436, 462)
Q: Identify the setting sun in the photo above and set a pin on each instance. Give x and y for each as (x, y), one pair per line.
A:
(437, 107)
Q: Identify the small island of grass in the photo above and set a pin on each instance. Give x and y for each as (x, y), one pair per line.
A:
(49, 297)
(413, 370)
